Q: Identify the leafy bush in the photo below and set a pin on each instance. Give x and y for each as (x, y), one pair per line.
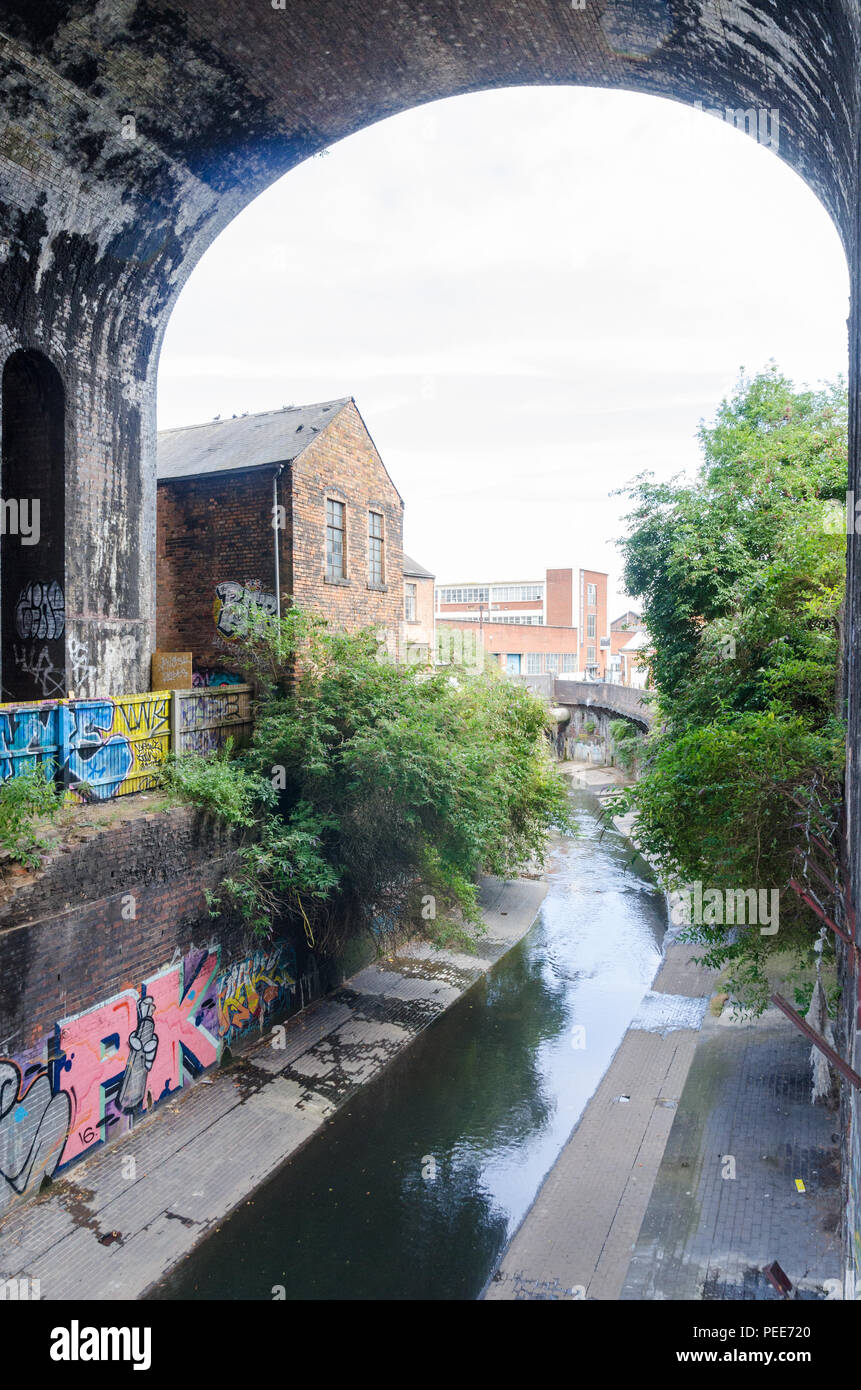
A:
(627, 742)
(217, 782)
(24, 800)
(395, 788)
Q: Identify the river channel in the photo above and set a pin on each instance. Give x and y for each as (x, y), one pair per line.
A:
(415, 1188)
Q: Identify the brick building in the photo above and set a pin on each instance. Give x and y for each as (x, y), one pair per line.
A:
(534, 602)
(528, 624)
(419, 624)
(594, 648)
(623, 656)
(289, 504)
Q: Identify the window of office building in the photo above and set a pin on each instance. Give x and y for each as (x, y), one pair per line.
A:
(569, 661)
(590, 656)
(533, 663)
(591, 595)
(410, 591)
(551, 661)
(591, 621)
(336, 539)
(518, 593)
(468, 595)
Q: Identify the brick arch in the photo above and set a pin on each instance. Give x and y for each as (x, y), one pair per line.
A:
(33, 543)
(132, 134)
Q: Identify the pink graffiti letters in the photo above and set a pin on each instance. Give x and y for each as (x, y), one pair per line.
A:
(95, 1049)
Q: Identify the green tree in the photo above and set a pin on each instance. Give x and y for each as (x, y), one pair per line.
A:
(741, 575)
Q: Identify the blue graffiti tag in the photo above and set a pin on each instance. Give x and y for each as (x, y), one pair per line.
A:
(100, 759)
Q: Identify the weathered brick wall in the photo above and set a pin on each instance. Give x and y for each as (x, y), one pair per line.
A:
(213, 530)
(343, 463)
(109, 929)
(64, 942)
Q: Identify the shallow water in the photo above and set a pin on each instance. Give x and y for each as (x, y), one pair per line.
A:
(414, 1190)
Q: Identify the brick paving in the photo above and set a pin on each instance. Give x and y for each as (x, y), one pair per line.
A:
(113, 1228)
(745, 1111)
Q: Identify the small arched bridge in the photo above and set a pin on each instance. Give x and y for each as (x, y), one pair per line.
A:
(621, 701)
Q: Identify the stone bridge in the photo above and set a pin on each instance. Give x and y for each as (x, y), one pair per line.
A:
(619, 701)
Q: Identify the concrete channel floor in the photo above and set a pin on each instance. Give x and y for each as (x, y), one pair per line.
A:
(123, 1217)
(642, 1204)
(576, 1240)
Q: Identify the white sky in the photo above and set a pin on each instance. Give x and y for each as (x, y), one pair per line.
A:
(533, 294)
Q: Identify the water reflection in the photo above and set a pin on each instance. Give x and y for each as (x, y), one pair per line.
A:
(415, 1189)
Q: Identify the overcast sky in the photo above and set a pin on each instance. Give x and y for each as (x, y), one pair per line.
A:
(533, 294)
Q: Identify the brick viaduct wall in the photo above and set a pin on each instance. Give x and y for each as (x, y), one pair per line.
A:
(105, 931)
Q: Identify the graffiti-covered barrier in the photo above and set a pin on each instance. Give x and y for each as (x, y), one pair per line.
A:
(102, 748)
(205, 720)
(118, 988)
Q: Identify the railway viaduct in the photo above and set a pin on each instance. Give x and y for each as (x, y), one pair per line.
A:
(132, 131)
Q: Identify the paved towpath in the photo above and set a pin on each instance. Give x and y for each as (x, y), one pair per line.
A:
(122, 1218)
(726, 1201)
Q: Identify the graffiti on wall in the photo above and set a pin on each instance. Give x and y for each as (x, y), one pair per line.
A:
(117, 745)
(82, 673)
(34, 1127)
(36, 663)
(206, 722)
(255, 988)
(40, 612)
(28, 736)
(207, 678)
(121, 1058)
(103, 1068)
(110, 747)
(234, 602)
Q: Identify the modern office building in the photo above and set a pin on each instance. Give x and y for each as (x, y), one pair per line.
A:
(528, 624)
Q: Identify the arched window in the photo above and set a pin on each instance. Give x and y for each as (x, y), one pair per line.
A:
(32, 530)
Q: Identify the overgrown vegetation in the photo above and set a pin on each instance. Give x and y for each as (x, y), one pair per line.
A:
(26, 800)
(375, 793)
(741, 573)
(627, 742)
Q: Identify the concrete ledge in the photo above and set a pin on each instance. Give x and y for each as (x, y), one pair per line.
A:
(130, 1212)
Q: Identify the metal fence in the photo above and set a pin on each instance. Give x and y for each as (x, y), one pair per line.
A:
(102, 748)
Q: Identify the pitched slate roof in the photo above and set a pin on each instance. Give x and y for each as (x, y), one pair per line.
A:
(415, 570)
(248, 441)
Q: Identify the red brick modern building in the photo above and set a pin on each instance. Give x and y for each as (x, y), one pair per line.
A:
(528, 624)
(594, 628)
(289, 504)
